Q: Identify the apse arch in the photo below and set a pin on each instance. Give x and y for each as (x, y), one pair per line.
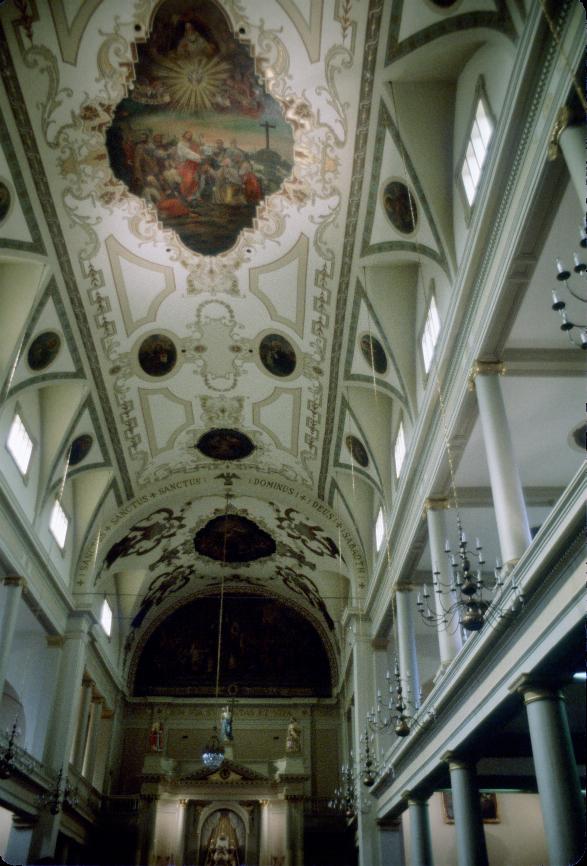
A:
(271, 647)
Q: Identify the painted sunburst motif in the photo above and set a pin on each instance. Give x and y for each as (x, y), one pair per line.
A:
(197, 84)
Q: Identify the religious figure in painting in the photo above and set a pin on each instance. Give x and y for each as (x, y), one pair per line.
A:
(293, 741)
(156, 737)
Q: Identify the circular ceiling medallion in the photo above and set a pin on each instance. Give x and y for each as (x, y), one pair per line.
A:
(225, 444)
(400, 207)
(357, 450)
(374, 353)
(80, 448)
(233, 538)
(43, 350)
(157, 355)
(277, 355)
(5, 200)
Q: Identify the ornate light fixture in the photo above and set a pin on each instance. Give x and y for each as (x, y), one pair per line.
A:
(347, 797)
(213, 752)
(396, 715)
(7, 754)
(560, 306)
(470, 609)
(60, 795)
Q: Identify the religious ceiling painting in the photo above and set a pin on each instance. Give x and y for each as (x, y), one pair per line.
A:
(198, 137)
(225, 444)
(400, 207)
(4, 201)
(233, 538)
(277, 355)
(43, 350)
(157, 355)
(357, 450)
(268, 650)
(80, 448)
(374, 353)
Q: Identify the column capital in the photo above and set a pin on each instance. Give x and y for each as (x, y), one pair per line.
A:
(536, 689)
(562, 120)
(433, 503)
(414, 799)
(380, 643)
(14, 580)
(87, 682)
(457, 762)
(406, 586)
(54, 640)
(485, 368)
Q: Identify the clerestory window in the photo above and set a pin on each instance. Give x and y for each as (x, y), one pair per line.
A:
(20, 444)
(477, 146)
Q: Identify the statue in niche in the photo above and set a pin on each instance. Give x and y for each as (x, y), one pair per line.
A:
(156, 737)
(223, 844)
(293, 740)
(226, 735)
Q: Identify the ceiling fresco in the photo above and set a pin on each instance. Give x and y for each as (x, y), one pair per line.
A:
(198, 136)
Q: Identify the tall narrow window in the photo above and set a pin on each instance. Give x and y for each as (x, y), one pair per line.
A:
(379, 529)
(430, 334)
(399, 451)
(19, 444)
(106, 617)
(476, 152)
(58, 523)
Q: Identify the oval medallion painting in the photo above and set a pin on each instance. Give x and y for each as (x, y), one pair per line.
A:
(198, 136)
(277, 355)
(157, 355)
(80, 448)
(4, 201)
(357, 450)
(225, 444)
(400, 207)
(233, 538)
(43, 350)
(374, 353)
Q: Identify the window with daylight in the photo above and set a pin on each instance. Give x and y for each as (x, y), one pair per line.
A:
(430, 334)
(19, 444)
(476, 151)
(399, 451)
(379, 530)
(106, 617)
(58, 524)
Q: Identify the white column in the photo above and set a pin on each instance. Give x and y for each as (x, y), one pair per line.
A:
(92, 741)
(557, 777)
(407, 654)
(82, 726)
(572, 145)
(363, 687)
(450, 640)
(264, 852)
(506, 488)
(420, 837)
(61, 729)
(471, 846)
(295, 829)
(13, 587)
(180, 833)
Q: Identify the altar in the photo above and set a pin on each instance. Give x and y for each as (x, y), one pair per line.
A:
(234, 815)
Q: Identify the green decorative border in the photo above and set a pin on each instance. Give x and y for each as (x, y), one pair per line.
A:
(36, 245)
(374, 16)
(385, 123)
(36, 166)
(500, 20)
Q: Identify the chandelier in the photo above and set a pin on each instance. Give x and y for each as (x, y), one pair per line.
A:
(60, 795)
(347, 797)
(471, 607)
(213, 752)
(7, 755)
(396, 714)
(560, 305)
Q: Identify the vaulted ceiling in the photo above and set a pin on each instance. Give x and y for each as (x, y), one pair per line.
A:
(241, 344)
